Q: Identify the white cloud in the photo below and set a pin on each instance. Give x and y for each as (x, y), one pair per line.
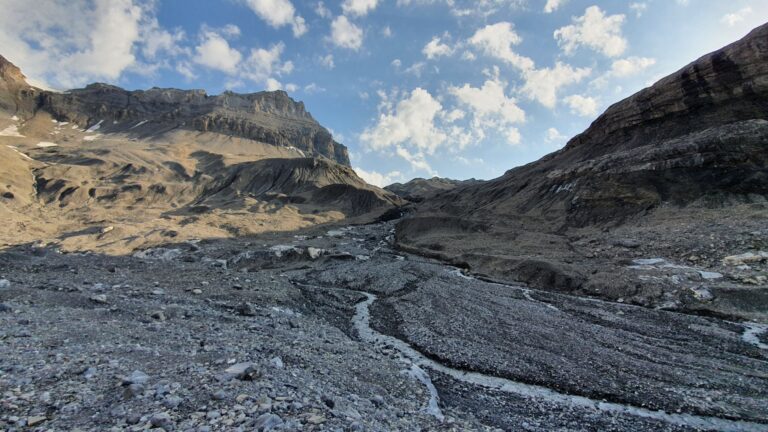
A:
(379, 179)
(411, 122)
(358, 7)
(327, 61)
(594, 30)
(582, 105)
(638, 8)
(554, 135)
(345, 34)
(416, 69)
(631, 66)
(472, 8)
(66, 44)
(496, 40)
(734, 18)
(553, 5)
(417, 161)
(436, 48)
(278, 13)
(386, 32)
(542, 85)
(263, 65)
(322, 11)
(313, 88)
(488, 104)
(396, 63)
(214, 52)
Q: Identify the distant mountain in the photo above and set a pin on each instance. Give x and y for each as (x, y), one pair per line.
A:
(150, 166)
(680, 166)
(418, 189)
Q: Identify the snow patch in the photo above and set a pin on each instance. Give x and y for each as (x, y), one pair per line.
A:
(22, 154)
(92, 137)
(15, 118)
(11, 131)
(139, 124)
(95, 127)
(44, 144)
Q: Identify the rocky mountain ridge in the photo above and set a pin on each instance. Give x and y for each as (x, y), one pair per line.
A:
(267, 117)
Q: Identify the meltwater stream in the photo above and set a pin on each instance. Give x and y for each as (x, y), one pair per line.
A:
(421, 365)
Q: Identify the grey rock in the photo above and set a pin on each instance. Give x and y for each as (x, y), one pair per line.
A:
(268, 422)
(162, 420)
(136, 377)
(5, 283)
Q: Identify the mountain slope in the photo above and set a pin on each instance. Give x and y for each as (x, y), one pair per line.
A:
(108, 169)
(691, 149)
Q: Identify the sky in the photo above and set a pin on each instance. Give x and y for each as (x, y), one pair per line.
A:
(414, 88)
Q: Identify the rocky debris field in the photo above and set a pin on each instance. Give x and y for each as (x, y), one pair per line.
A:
(327, 330)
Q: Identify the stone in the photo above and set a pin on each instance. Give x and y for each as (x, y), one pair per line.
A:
(158, 315)
(136, 377)
(172, 402)
(5, 308)
(5, 283)
(100, 299)
(745, 258)
(133, 390)
(245, 371)
(268, 422)
(197, 291)
(245, 309)
(35, 420)
(220, 395)
(162, 420)
(277, 362)
(316, 419)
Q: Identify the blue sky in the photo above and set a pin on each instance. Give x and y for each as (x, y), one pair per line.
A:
(414, 88)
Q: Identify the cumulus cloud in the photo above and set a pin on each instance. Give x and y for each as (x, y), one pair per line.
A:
(358, 7)
(553, 5)
(278, 13)
(98, 42)
(378, 179)
(734, 18)
(411, 122)
(496, 40)
(554, 135)
(631, 66)
(265, 64)
(436, 48)
(594, 30)
(490, 107)
(322, 11)
(214, 52)
(346, 34)
(543, 85)
(584, 106)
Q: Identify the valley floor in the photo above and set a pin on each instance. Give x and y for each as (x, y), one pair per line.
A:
(338, 330)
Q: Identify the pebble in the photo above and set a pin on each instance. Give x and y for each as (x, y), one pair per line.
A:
(220, 395)
(172, 402)
(197, 291)
(243, 371)
(158, 315)
(277, 362)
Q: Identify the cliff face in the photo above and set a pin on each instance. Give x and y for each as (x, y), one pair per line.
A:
(269, 117)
